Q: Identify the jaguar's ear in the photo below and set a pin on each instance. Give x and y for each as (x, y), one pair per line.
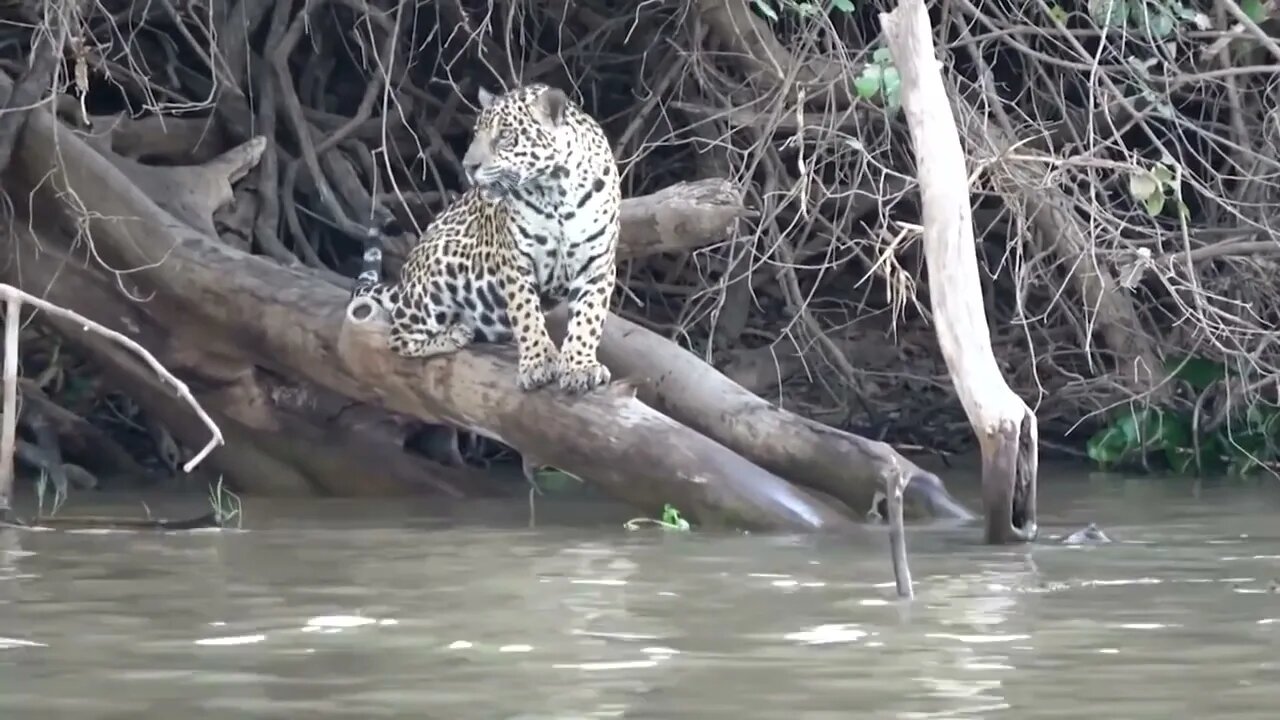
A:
(552, 102)
(485, 97)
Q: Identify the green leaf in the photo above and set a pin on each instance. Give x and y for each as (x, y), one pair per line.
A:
(1264, 420)
(1108, 13)
(1141, 428)
(1174, 437)
(1256, 11)
(868, 83)
(1142, 184)
(671, 516)
(882, 56)
(844, 6)
(804, 9)
(1057, 13)
(1246, 448)
(891, 83)
(1197, 372)
(1154, 203)
(1163, 174)
(1152, 19)
(892, 102)
(1107, 446)
(1135, 433)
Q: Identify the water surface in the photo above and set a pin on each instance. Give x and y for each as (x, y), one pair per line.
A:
(340, 609)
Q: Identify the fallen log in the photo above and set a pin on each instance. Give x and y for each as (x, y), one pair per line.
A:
(850, 468)
(609, 438)
(275, 444)
(1006, 427)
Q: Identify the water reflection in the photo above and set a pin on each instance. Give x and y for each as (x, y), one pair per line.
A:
(380, 618)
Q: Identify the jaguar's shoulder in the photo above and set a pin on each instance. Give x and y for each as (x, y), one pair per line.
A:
(468, 220)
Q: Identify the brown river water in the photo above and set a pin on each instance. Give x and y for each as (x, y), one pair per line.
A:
(342, 609)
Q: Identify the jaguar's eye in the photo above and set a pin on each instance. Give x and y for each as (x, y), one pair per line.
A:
(504, 137)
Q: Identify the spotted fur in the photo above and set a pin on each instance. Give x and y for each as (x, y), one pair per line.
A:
(539, 224)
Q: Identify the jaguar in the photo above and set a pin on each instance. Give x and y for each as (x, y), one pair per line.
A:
(538, 225)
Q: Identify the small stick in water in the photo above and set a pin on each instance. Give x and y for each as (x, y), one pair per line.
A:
(898, 533)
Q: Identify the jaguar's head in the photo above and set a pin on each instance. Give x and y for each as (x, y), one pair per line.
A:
(517, 139)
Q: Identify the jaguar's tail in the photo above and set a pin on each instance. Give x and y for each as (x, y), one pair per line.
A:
(371, 262)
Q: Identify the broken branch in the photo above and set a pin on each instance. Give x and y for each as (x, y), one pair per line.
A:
(1005, 426)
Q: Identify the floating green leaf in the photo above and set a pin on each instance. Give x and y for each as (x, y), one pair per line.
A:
(671, 517)
(844, 6)
(1057, 13)
(882, 56)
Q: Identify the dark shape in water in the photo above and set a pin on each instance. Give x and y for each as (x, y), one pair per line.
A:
(1091, 535)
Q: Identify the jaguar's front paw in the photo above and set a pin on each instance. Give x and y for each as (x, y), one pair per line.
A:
(535, 372)
(459, 335)
(585, 378)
